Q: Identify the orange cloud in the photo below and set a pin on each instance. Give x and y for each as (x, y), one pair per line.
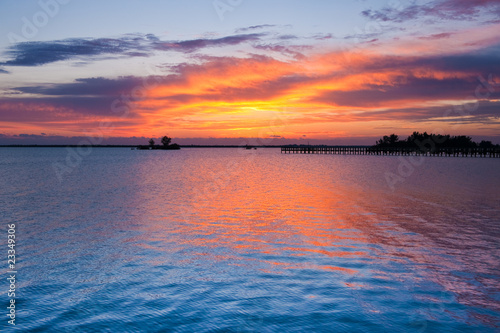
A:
(325, 94)
(248, 96)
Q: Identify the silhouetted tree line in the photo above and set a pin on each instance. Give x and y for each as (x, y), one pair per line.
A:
(418, 141)
(165, 141)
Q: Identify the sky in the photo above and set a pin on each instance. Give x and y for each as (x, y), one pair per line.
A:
(268, 72)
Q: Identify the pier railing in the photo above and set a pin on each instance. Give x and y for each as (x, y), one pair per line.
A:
(365, 150)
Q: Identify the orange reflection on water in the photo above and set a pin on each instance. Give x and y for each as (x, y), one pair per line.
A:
(244, 207)
(275, 213)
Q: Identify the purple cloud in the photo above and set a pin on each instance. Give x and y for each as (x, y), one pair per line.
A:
(87, 86)
(256, 27)
(41, 53)
(442, 9)
(196, 44)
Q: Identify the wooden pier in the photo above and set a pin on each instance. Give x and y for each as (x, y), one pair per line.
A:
(366, 150)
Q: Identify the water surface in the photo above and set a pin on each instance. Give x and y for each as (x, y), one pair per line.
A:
(234, 240)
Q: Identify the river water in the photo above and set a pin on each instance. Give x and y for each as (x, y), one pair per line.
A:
(235, 240)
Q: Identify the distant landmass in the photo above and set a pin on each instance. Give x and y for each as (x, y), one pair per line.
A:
(425, 141)
(165, 145)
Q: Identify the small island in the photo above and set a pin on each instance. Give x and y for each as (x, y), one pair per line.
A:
(165, 145)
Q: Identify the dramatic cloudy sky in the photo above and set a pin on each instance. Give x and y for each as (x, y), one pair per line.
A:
(278, 70)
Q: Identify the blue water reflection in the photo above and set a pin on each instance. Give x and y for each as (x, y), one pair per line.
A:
(234, 240)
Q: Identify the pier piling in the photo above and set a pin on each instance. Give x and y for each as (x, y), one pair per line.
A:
(365, 150)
